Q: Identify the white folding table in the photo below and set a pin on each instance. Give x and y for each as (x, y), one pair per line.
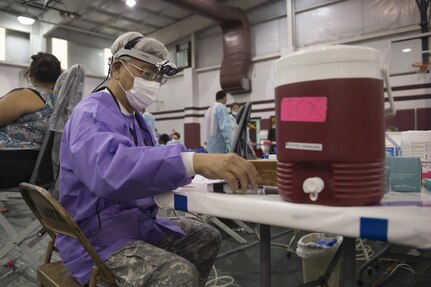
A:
(401, 218)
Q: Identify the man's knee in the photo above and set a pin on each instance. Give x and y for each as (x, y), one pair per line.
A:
(178, 272)
(188, 273)
(214, 235)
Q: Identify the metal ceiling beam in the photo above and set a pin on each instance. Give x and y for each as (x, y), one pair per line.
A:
(55, 19)
(87, 7)
(116, 16)
(156, 13)
(100, 26)
(95, 6)
(77, 5)
(11, 3)
(47, 8)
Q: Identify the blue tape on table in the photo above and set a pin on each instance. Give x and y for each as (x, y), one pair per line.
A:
(180, 202)
(374, 228)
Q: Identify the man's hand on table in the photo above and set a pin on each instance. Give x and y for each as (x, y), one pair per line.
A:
(230, 167)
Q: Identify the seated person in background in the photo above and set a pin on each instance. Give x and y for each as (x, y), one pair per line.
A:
(234, 108)
(24, 117)
(111, 171)
(157, 134)
(272, 137)
(164, 139)
(175, 138)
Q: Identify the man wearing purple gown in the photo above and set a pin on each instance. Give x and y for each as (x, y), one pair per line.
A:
(111, 170)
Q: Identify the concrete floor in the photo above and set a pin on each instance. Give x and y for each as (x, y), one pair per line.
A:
(237, 263)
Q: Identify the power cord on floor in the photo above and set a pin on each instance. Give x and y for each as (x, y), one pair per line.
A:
(214, 281)
(217, 278)
(391, 270)
(289, 247)
(363, 251)
(403, 266)
(286, 247)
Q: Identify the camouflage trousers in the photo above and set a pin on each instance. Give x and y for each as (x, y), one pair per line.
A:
(175, 261)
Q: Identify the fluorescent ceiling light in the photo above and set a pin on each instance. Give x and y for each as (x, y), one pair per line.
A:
(25, 20)
(406, 50)
(130, 3)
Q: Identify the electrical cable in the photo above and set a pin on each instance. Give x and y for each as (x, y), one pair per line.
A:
(365, 251)
(106, 78)
(404, 266)
(390, 271)
(218, 278)
(280, 245)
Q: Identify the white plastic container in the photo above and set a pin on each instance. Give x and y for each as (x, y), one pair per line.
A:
(315, 258)
(416, 144)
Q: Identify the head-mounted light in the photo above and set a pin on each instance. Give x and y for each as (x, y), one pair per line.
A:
(167, 68)
(164, 66)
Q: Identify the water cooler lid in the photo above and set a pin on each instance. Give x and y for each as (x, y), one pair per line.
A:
(329, 62)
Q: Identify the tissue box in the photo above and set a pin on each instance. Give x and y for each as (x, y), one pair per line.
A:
(405, 173)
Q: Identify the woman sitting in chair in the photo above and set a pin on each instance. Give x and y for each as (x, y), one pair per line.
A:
(24, 116)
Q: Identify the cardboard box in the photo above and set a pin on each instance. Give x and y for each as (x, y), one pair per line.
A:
(405, 173)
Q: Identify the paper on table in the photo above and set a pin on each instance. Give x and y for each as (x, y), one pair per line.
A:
(201, 179)
(200, 182)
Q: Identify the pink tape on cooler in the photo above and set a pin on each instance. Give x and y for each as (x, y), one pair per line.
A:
(303, 109)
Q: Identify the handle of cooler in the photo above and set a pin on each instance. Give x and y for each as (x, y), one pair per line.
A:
(391, 111)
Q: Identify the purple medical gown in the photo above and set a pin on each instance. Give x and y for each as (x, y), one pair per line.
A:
(110, 170)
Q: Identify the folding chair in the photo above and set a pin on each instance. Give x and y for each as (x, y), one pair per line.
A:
(68, 90)
(55, 219)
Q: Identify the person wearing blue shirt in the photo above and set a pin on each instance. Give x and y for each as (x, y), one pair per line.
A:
(175, 138)
(217, 125)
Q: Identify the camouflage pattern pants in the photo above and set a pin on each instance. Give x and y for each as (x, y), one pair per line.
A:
(175, 261)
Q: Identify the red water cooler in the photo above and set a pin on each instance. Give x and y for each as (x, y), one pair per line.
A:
(330, 125)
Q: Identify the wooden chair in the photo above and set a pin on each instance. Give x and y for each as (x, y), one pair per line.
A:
(55, 219)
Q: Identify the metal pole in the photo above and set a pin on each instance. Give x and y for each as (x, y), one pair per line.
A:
(265, 255)
(349, 262)
(424, 6)
(290, 11)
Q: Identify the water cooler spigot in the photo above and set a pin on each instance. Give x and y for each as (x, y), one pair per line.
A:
(313, 186)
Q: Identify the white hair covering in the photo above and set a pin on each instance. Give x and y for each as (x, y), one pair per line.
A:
(146, 44)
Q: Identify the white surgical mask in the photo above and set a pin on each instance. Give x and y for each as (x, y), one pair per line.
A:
(234, 114)
(143, 92)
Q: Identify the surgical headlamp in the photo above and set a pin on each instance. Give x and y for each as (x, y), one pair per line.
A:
(164, 66)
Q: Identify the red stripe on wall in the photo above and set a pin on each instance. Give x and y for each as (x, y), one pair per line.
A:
(192, 135)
